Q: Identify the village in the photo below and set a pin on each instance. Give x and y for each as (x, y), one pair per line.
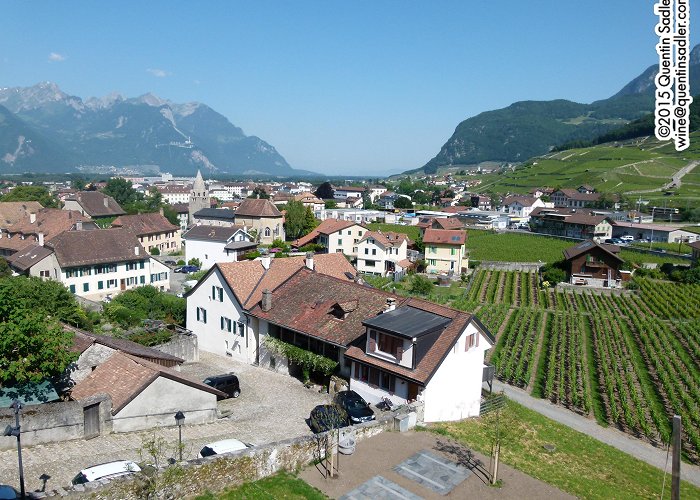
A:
(283, 311)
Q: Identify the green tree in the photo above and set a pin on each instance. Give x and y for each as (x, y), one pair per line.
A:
(295, 219)
(259, 192)
(122, 191)
(170, 214)
(331, 204)
(402, 202)
(31, 193)
(78, 183)
(420, 285)
(310, 222)
(5, 270)
(325, 191)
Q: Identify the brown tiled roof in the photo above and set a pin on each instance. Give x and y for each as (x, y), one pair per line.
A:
(124, 377)
(252, 207)
(180, 208)
(211, 233)
(577, 195)
(82, 340)
(695, 245)
(143, 224)
(308, 198)
(588, 245)
(450, 223)
(12, 212)
(25, 258)
(328, 226)
(81, 248)
(525, 201)
(93, 203)
(569, 215)
(444, 236)
(50, 221)
(387, 239)
(247, 279)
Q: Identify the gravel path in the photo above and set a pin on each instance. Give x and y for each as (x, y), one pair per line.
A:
(271, 407)
(623, 442)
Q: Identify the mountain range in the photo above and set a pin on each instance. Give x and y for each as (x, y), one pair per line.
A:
(43, 129)
(531, 128)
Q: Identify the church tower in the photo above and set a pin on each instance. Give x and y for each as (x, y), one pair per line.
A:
(199, 196)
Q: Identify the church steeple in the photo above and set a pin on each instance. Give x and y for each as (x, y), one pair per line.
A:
(199, 196)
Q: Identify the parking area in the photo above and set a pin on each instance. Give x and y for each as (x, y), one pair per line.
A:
(271, 407)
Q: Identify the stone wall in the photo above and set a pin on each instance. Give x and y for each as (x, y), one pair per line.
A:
(182, 345)
(53, 422)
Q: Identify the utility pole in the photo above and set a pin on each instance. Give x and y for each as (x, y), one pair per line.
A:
(676, 464)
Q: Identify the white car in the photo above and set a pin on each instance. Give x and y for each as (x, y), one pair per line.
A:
(106, 471)
(627, 238)
(225, 446)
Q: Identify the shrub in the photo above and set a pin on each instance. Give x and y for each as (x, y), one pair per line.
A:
(155, 251)
(420, 285)
(252, 255)
(195, 262)
(181, 262)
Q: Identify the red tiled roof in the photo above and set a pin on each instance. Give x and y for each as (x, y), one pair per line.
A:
(444, 237)
(12, 212)
(143, 224)
(124, 377)
(328, 226)
(93, 203)
(450, 223)
(387, 239)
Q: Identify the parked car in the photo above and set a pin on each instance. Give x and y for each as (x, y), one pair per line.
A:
(106, 471)
(614, 241)
(223, 446)
(7, 492)
(107, 298)
(186, 269)
(227, 383)
(355, 406)
(627, 238)
(326, 417)
(170, 262)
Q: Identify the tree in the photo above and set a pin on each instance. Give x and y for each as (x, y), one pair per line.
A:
(170, 214)
(402, 202)
(122, 191)
(421, 285)
(259, 192)
(31, 193)
(310, 222)
(78, 183)
(294, 219)
(325, 191)
(331, 204)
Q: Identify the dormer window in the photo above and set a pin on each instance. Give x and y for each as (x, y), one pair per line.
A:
(383, 344)
(341, 309)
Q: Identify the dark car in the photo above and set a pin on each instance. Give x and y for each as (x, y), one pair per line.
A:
(356, 407)
(327, 417)
(186, 269)
(227, 383)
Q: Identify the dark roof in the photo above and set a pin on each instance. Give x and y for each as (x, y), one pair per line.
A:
(81, 248)
(569, 215)
(408, 322)
(180, 208)
(142, 224)
(251, 207)
(587, 246)
(93, 203)
(240, 245)
(82, 340)
(695, 244)
(211, 233)
(216, 213)
(27, 257)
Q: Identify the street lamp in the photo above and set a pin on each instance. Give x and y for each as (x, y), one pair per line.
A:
(179, 420)
(15, 431)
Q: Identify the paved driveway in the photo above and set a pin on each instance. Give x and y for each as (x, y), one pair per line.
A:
(271, 407)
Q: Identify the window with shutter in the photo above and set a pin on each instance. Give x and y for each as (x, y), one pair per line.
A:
(399, 353)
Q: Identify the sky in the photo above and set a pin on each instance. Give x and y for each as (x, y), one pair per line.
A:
(339, 87)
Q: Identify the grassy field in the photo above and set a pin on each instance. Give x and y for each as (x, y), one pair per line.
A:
(580, 464)
(412, 231)
(281, 485)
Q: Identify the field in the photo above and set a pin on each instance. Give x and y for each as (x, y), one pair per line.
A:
(630, 361)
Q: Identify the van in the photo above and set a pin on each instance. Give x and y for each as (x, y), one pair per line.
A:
(224, 446)
(627, 237)
(227, 383)
(106, 471)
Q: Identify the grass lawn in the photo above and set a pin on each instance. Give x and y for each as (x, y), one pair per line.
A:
(514, 247)
(580, 464)
(412, 231)
(281, 485)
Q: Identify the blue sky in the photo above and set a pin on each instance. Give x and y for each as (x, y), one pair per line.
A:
(353, 87)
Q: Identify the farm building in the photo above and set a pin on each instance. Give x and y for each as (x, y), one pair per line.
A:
(593, 264)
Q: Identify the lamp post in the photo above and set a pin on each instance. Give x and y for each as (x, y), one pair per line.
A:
(651, 240)
(179, 420)
(15, 431)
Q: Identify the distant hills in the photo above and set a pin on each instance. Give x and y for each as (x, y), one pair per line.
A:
(43, 129)
(530, 128)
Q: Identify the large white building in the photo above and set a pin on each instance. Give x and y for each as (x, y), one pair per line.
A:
(212, 244)
(382, 253)
(336, 236)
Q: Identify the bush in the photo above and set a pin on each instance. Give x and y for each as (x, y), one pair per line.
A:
(194, 262)
(181, 262)
(420, 285)
(252, 255)
(312, 247)
(554, 272)
(155, 251)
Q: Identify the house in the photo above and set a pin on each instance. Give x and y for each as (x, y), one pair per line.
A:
(574, 198)
(695, 249)
(351, 202)
(343, 192)
(310, 200)
(93, 204)
(360, 216)
(571, 222)
(335, 235)
(387, 199)
(664, 233)
(445, 251)
(93, 264)
(383, 253)
(261, 216)
(418, 350)
(520, 206)
(375, 192)
(94, 349)
(214, 217)
(400, 348)
(447, 223)
(480, 202)
(11, 212)
(217, 306)
(173, 193)
(147, 395)
(183, 214)
(593, 264)
(153, 230)
(41, 225)
(212, 244)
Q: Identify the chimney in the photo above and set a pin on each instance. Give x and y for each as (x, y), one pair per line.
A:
(79, 225)
(137, 250)
(106, 200)
(40, 239)
(310, 260)
(161, 211)
(32, 217)
(265, 260)
(390, 304)
(266, 303)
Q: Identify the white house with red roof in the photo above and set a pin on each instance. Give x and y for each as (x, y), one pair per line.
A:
(382, 253)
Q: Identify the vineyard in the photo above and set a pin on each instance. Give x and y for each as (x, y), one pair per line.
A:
(631, 361)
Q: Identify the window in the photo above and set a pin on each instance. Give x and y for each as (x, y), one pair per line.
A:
(226, 324)
(361, 372)
(349, 232)
(241, 328)
(340, 241)
(111, 283)
(100, 285)
(472, 341)
(130, 266)
(44, 274)
(217, 293)
(142, 264)
(366, 251)
(370, 263)
(267, 231)
(72, 289)
(432, 262)
(433, 249)
(201, 314)
(86, 287)
(359, 233)
(142, 280)
(374, 251)
(453, 251)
